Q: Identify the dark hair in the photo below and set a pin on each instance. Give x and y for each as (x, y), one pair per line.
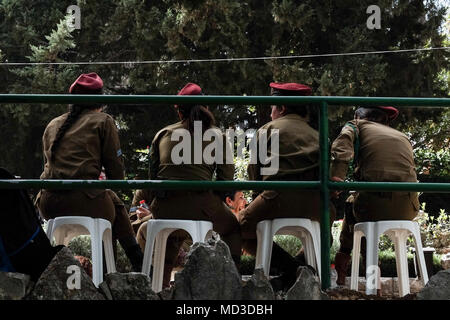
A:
(301, 110)
(229, 194)
(74, 113)
(372, 114)
(192, 113)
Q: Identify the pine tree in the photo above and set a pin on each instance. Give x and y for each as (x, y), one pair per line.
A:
(136, 30)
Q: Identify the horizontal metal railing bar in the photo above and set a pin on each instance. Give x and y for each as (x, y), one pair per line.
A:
(391, 186)
(219, 185)
(243, 100)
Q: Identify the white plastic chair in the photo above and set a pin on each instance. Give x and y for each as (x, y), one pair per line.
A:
(398, 231)
(158, 230)
(306, 230)
(63, 229)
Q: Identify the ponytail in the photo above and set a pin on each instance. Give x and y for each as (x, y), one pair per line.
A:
(191, 113)
(74, 113)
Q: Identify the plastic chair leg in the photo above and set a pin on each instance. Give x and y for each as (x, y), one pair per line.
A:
(356, 252)
(49, 230)
(399, 238)
(109, 251)
(96, 249)
(419, 252)
(372, 269)
(160, 253)
(148, 251)
(202, 232)
(317, 248)
(264, 245)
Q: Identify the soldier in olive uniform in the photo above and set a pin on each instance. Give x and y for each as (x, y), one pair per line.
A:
(379, 153)
(298, 160)
(76, 145)
(188, 204)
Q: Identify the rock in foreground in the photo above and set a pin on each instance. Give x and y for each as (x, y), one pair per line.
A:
(128, 286)
(307, 287)
(258, 287)
(209, 274)
(65, 279)
(13, 286)
(437, 288)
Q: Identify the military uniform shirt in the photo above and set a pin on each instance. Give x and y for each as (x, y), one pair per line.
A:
(384, 154)
(298, 148)
(90, 143)
(162, 165)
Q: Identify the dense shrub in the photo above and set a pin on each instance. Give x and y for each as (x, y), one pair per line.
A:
(435, 232)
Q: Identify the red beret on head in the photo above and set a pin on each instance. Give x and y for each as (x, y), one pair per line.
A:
(190, 89)
(290, 89)
(391, 111)
(87, 83)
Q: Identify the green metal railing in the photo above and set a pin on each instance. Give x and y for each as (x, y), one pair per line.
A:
(324, 184)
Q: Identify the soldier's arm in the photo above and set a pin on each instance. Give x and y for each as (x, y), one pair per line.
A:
(225, 171)
(342, 151)
(253, 168)
(154, 160)
(112, 158)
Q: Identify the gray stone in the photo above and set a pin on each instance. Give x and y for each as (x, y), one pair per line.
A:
(14, 286)
(445, 261)
(128, 286)
(65, 279)
(258, 287)
(209, 274)
(307, 287)
(437, 288)
(167, 293)
(104, 289)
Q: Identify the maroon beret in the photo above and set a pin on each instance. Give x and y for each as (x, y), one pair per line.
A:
(191, 89)
(391, 111)
(290, 89)
(87, 83)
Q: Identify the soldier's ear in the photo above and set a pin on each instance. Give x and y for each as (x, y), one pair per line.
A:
(283, 110)
(228, 201)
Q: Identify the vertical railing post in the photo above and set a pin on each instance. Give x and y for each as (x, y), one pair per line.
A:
(324, 197)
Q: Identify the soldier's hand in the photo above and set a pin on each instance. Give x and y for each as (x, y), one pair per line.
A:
(142, 212)
(335, 194)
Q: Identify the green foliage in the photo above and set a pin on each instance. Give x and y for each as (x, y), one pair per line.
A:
(247, 265)
(290, 244)
(435, 232)
(293, 244)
